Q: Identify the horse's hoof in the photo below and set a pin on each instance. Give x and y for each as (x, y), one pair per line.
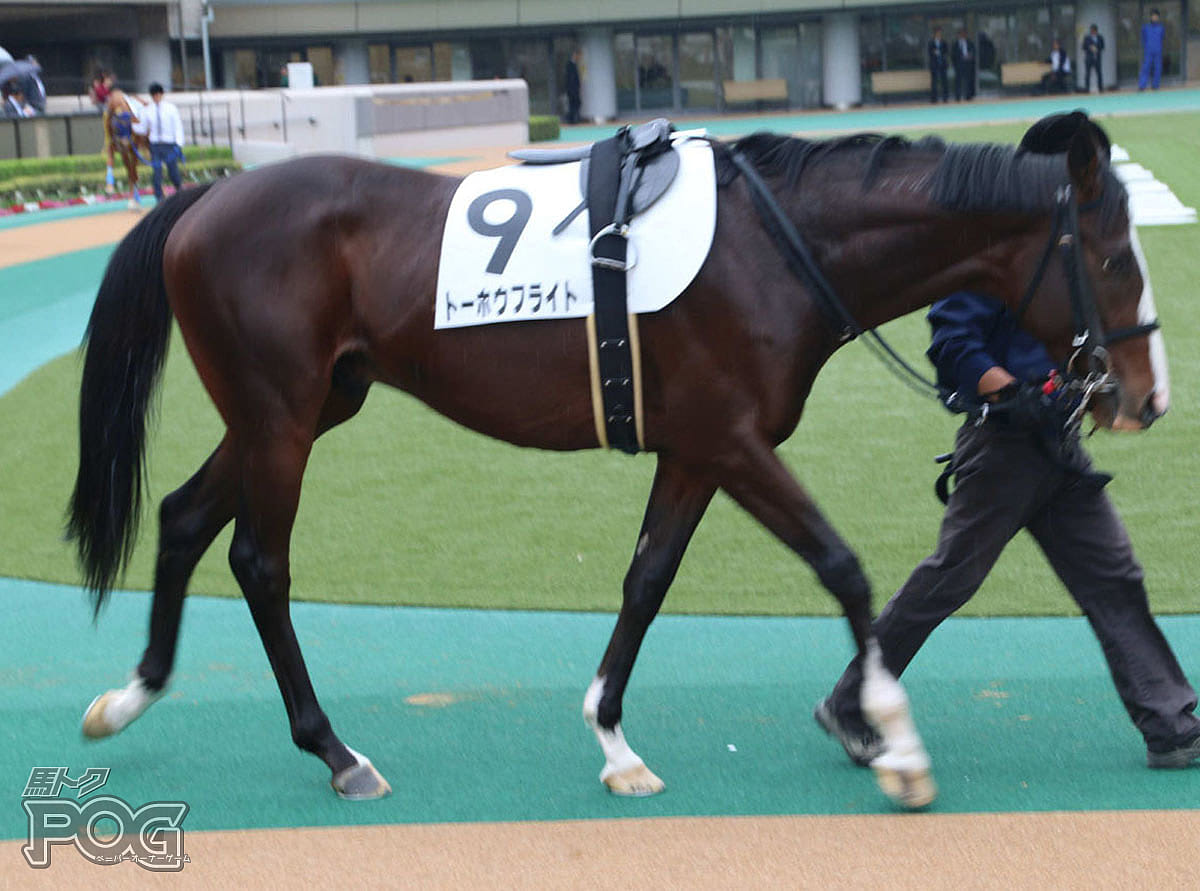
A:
(95, 725)
(360, 782)
(636, 782)
(910, 788)
(115, 710)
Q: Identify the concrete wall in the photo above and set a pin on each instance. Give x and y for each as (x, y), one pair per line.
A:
(375, 121)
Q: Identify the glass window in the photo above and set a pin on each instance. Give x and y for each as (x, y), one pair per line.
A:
(625, 60)
(697, 70)
(245, 68)
(530, 61)
(1171, 13)
(904, 40)
(379, 63)
(1193, 40)
(451, 61)
(993, 46)
(321, 59)
(413, 64)
(487, 59)
(560, 51)
(1031, 33)
(737, 53)
(656, 83)
(870, 44)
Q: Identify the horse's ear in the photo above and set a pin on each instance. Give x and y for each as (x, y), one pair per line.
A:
(1087, 161)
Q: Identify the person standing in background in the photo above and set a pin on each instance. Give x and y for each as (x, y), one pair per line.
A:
(963, 55)
(1093, 47)
(574, 85)
(165, 131)
(939, 61)
(1152, 51)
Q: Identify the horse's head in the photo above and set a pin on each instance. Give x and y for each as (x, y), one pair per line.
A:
(1097, 291)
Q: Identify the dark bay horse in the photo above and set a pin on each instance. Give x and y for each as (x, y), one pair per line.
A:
(298, 285)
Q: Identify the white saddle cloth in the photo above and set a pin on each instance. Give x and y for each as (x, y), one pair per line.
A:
(502, 262)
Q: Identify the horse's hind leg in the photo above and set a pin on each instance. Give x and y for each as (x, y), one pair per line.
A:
(189, 519)
(678, 499)
(761, 484)
(272, 470)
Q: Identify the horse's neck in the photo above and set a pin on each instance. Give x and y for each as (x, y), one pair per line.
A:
(903, 254)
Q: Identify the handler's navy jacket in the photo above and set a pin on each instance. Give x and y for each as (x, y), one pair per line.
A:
(971, 333)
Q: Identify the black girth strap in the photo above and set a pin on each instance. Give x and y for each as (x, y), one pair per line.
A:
(606, 219)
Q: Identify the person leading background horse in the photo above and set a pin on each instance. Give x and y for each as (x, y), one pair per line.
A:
(126, 136)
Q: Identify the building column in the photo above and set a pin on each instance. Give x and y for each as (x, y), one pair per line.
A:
(351, 63)
(1102, 14)
(152, 61)
(598, 75)
(842, 69)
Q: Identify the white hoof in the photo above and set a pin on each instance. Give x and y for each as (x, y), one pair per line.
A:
(636, 782)
(115, 710)
(360, 782)
(911, 788)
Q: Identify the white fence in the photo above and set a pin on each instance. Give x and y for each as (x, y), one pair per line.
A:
(379, 120)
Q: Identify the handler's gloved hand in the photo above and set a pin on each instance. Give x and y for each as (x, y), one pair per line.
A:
(1027, 406)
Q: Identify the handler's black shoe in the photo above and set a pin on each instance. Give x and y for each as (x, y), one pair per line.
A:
(1175, 759)
(861, 743)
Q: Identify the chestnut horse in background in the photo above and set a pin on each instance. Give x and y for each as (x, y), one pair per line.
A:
(298, 285)
(121, 126)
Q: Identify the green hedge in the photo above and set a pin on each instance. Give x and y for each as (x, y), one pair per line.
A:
(67, 183)
(89, 163)
(543, 127)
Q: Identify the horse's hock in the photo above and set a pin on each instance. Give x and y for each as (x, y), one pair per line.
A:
(379, 120)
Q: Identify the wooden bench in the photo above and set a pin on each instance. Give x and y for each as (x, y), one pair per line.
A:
(1023, 74)
(891, 83)
(744, 92)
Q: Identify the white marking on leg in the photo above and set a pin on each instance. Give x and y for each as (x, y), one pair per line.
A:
(618, 757)
(885, 706)
(115, 710)
(1148, 313)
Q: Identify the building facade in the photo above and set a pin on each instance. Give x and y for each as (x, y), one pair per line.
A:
(638, 56)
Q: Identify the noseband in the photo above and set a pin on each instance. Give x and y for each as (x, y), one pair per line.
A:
(1090, 340)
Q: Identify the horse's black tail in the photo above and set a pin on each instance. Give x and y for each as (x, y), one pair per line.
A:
(126, 343)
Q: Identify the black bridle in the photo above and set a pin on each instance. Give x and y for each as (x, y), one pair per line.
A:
(1090, 340)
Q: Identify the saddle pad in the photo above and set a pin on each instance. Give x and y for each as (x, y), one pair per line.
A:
(500, 261)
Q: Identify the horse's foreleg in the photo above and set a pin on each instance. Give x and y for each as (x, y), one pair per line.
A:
(678, 499)
(270, 488)
(762, 485)
(189, 520)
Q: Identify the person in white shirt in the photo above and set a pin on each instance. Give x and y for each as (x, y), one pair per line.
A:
(164, 127)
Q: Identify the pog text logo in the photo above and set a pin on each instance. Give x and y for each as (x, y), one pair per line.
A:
(103, 828)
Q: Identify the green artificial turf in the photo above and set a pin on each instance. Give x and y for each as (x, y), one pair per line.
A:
(402, 506)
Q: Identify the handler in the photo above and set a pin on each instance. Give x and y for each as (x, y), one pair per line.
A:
(1016, 466)
(166, 139)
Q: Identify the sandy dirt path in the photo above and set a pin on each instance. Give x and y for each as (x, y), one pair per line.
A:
(1130, 849)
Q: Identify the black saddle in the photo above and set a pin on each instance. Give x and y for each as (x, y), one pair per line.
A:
(649, 166)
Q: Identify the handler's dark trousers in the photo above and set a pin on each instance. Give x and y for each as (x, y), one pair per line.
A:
(1005, 482)
(164, 153)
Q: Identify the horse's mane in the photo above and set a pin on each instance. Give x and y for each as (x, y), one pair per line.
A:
(983, 177)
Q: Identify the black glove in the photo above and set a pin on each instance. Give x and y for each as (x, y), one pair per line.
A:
(1026, 406)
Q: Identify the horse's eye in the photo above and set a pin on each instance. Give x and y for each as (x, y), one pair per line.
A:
(1118, 264)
